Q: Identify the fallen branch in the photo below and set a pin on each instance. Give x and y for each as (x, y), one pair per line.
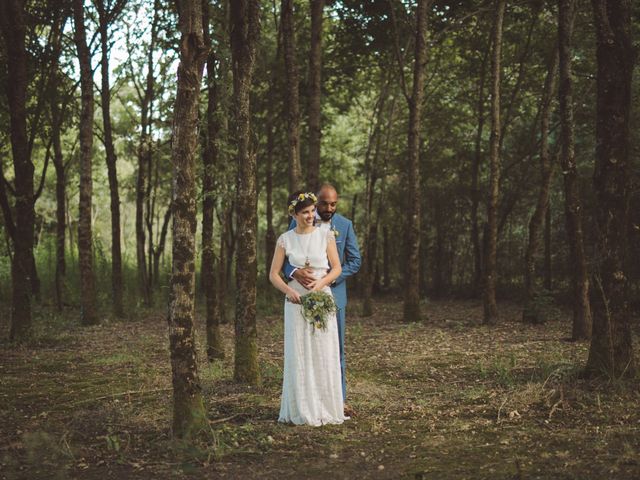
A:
(226, 419)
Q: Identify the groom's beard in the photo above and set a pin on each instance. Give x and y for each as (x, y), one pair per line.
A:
(326, 216)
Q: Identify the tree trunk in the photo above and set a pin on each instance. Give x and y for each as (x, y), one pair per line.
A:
(372, 174)
(223, 285)
(547, 250)
(244, 37)
(85, 240)
(189, 415)
(270, 234)
(475, 173)
(530, 312)
(209, 159)
(57, 115)
(58, 162)
(291, 95)
(386, 261)
(411, 306)
(573, 207)
(14, 32)
(491, 239)
(144, 152)
(611, 351)
(315, 88)
(105, 18)
(159, 250)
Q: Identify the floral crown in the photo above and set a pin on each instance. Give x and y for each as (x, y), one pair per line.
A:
(300, 198)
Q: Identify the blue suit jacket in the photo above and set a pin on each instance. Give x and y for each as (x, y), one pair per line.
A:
(349, 254)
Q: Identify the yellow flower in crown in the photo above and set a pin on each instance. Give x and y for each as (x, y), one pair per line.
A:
(301, 197)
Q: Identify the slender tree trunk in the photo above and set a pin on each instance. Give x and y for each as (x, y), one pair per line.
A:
(491, 239)
(57, 115)
(223, 285)
(14, 31)
(189, 415)
(611, 351)
(573, 207)
(371, 168)
(151, 196)
(315, 88)
(270, 235)
(547, 249)
(61, 183)
(209, 160)
(475, 174)
(85, 239)
(143, 162)
(386, 261)
(244, 37)
(530, 314)
(291, 95)
(411, 306)
(116, 251)
(159, 250)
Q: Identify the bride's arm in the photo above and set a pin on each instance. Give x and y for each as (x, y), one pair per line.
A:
(336, 268)
(276, 280)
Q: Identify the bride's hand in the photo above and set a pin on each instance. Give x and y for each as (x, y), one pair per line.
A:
(293, 296)
(316, 285)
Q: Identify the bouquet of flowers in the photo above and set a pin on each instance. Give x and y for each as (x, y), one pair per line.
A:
(316, 307)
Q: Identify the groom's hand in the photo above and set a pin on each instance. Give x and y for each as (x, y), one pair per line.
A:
(304, 276)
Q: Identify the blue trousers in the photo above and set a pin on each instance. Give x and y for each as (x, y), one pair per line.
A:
(341, 326)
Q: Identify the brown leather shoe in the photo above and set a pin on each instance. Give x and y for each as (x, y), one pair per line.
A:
(349, 411)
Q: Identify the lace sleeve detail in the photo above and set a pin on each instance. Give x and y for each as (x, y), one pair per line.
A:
(282, 242)
(331, 236)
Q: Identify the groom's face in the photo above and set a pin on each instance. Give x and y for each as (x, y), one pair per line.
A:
(327, 204)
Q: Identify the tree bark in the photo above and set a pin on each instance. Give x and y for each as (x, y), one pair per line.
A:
(270, 234)
(573, 208)
(530, 313)
(475, 173)
(491, 239)
(291, 100)
(57, 116)
(105, 17)
(215, 348)
(14, 32)
(144, 153)
(159, 250)
(189, 415)
(372, 174)
(315, 91)
(85, 239)
(547, 250)
(244, 37)
(411, 305)
(611, 351)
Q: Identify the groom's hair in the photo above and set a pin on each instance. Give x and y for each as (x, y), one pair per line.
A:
(327, 186)
(300, 204)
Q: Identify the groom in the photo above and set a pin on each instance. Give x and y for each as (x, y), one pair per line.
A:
(347, 243)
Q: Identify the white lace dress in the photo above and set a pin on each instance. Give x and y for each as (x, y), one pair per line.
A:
(311, 384)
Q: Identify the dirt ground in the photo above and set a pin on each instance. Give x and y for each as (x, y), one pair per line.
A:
(446, 398)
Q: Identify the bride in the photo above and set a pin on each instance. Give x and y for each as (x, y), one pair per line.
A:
(311, 384)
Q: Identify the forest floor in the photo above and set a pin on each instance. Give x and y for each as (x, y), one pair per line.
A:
(446, 398)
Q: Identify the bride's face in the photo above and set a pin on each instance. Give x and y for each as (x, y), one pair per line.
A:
(306, 216)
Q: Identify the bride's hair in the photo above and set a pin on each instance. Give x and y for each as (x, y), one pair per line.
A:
(299, 200)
